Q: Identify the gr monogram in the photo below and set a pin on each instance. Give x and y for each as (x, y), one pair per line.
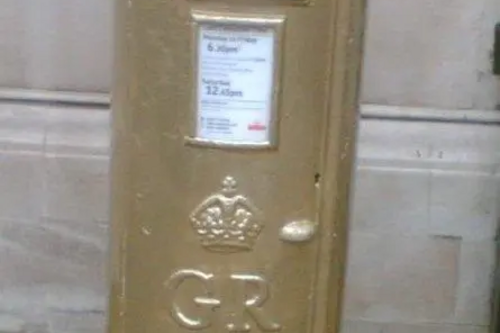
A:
(201, 311)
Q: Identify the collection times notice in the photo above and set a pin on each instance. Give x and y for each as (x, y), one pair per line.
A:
(235, 84)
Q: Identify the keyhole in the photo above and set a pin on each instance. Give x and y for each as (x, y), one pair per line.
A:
(317, 178)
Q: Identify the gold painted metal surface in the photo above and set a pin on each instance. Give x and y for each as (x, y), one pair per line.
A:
(254, 3)
(231, 240)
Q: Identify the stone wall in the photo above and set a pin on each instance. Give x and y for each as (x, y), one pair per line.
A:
(432, 53)
(422, 242)
(422, 235)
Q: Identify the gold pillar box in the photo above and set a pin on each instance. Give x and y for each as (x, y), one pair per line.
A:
(234, 126)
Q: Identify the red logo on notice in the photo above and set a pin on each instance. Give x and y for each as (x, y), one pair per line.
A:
(256, 127)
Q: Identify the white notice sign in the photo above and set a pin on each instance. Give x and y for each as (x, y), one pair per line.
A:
(235, 83)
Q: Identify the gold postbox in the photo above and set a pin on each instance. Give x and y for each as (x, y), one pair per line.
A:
(234, 126)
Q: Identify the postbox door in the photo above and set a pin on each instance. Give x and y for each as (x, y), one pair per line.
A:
(220, 126)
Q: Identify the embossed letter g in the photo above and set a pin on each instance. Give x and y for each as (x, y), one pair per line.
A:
(207, 301)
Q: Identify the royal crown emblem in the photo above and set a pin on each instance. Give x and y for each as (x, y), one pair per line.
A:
(227, 221)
